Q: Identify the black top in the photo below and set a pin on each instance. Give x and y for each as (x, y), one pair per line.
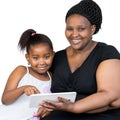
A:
(83, 81)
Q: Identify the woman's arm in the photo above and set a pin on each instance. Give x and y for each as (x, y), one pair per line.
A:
(114, 105)
(108, 81)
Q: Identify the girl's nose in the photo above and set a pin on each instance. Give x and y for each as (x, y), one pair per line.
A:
(41, 61)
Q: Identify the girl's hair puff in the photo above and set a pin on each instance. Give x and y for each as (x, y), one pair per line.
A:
(30, 37)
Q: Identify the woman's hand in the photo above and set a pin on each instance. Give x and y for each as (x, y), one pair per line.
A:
(42, 112)
(28, 90)
(61, 104)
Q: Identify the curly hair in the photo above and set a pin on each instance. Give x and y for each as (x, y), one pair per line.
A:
(88, 9)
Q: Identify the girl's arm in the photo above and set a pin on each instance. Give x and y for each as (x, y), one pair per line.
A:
(11, 92)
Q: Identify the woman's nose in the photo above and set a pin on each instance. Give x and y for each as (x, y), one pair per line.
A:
(75, 33)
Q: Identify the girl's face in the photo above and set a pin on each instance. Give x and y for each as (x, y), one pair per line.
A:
(78, 31)
(40, 57)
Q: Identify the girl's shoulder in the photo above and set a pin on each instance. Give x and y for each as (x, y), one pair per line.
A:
(22, 70)
(21, 67)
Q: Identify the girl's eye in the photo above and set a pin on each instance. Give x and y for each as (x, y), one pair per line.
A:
(46, 57)
(35, 58)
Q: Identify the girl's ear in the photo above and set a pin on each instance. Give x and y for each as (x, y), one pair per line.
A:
(27, 58)
(53, 53)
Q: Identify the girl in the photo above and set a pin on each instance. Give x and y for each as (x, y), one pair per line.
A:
(24, 81)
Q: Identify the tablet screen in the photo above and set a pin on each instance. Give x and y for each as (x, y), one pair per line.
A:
(36, 99)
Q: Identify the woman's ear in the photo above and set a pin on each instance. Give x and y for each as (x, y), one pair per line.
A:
(93, 28)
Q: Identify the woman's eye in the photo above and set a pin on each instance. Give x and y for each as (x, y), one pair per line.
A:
(69, 29)
(81, 29)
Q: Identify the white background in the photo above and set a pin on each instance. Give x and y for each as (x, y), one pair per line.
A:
(47, 17)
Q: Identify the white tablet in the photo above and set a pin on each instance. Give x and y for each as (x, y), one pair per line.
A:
(36, 99)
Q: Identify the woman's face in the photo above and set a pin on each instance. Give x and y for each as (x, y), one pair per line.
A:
(79, 31)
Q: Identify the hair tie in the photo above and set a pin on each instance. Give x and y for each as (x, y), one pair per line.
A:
(33, 34)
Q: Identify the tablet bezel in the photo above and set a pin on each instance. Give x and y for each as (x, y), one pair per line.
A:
(36, 99)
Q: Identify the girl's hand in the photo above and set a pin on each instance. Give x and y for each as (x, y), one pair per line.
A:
(28, 90)
(61, 104)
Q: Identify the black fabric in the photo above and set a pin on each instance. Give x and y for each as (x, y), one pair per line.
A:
(83, 81)
(62, 115)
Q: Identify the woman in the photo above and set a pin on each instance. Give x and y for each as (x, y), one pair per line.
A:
(90, 68)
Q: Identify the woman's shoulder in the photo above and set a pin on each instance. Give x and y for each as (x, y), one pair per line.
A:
(106, 46)
(107, 50)
(60, 52)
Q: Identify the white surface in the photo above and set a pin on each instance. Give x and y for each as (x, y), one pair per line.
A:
(36, 99)
(48, 17)
(19, 110)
